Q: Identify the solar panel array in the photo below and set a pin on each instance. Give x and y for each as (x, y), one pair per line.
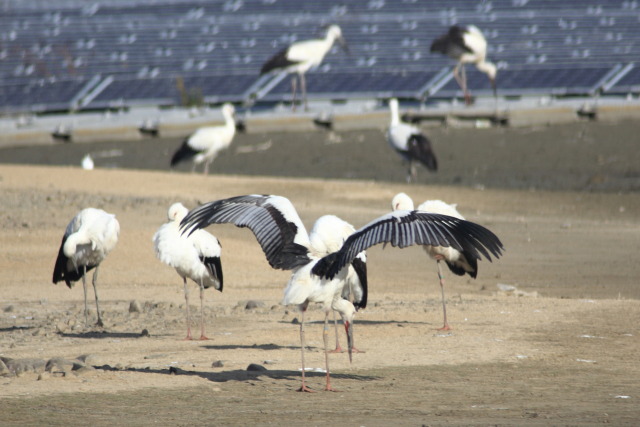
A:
(57, 55)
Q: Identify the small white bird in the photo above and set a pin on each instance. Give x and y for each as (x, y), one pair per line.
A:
(89, 237)
(196, 257)
(410, 143)
(466, 45)
(459, 262)
(300, 56)
(204, 145)
(87, 162)
(287, 246)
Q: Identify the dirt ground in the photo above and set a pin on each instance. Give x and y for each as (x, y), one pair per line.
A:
(559, 350)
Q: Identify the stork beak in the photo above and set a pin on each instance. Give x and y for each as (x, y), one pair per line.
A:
(344, 45)
(348, 327)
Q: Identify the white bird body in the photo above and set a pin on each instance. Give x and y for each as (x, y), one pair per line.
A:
(286, 244)
(467, 45)
(409, 142)
(459, 262)
(87, 240)
(300, 57)
(204, 145)
(196, 256)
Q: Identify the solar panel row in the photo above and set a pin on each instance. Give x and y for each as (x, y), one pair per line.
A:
(49, 52)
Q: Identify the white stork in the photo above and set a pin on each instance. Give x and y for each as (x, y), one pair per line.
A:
(196, 257)
(459, 262)
(300, 56)
(466, 45)
(410, 143)
(205, 143)
(327, 235)
(282, 236)
(89, 237)
(287, 246)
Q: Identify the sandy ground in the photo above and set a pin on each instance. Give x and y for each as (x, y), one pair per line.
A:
(562, 350)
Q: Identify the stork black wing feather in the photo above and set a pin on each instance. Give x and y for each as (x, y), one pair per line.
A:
(418, 228)
(274, 232)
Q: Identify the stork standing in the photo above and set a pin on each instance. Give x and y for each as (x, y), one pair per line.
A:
(410, 143)
(204, 145)
(327, 235)
(287, 246)
(466, 45)
(283, 238)
(299, 57)
(89, 237)
(196, 257)
(404, 228)
(459, 262)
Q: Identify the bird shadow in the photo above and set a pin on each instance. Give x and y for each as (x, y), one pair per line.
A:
(16, 328)
(240, 374)
(246, 347)
(366, 322)
(104, 334)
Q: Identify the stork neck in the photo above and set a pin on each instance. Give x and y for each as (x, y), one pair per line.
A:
(395, 115)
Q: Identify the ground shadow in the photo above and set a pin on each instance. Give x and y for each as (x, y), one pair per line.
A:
(106, 334)
(241, 374)
(253, 346)
(16, 328)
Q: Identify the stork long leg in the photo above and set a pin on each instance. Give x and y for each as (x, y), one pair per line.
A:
(303, 387)
(338, 348)
(303, 89)
(446, 326)
(294, 85)
(325, 338)
(462, 81)
(186, 298)
(95, 292)
(202, 335)
(84, 287)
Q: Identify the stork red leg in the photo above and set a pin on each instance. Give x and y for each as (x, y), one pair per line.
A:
(446, 326)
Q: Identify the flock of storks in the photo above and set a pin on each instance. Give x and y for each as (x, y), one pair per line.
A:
(328, 265)
(464, 44)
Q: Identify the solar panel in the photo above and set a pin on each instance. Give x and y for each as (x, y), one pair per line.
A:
(553, 81)
(629, 83)
(536, 43)
(350, 85)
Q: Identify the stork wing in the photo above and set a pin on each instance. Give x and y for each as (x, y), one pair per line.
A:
(419, 148)
(361, 293)
(272, 219)
(406, 228)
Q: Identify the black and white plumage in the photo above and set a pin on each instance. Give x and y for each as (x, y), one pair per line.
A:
(196, 257)
(299, 57)
(410, 143)
(287, 246)
(458, 262)
(404, 228)
(204, 145)
(87, 240)
(466, 45)
(327, 236)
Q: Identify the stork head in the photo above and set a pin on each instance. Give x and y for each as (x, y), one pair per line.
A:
(491, 71)
(401, 202)
(334, 33)
(176, 212)
(228, 110)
